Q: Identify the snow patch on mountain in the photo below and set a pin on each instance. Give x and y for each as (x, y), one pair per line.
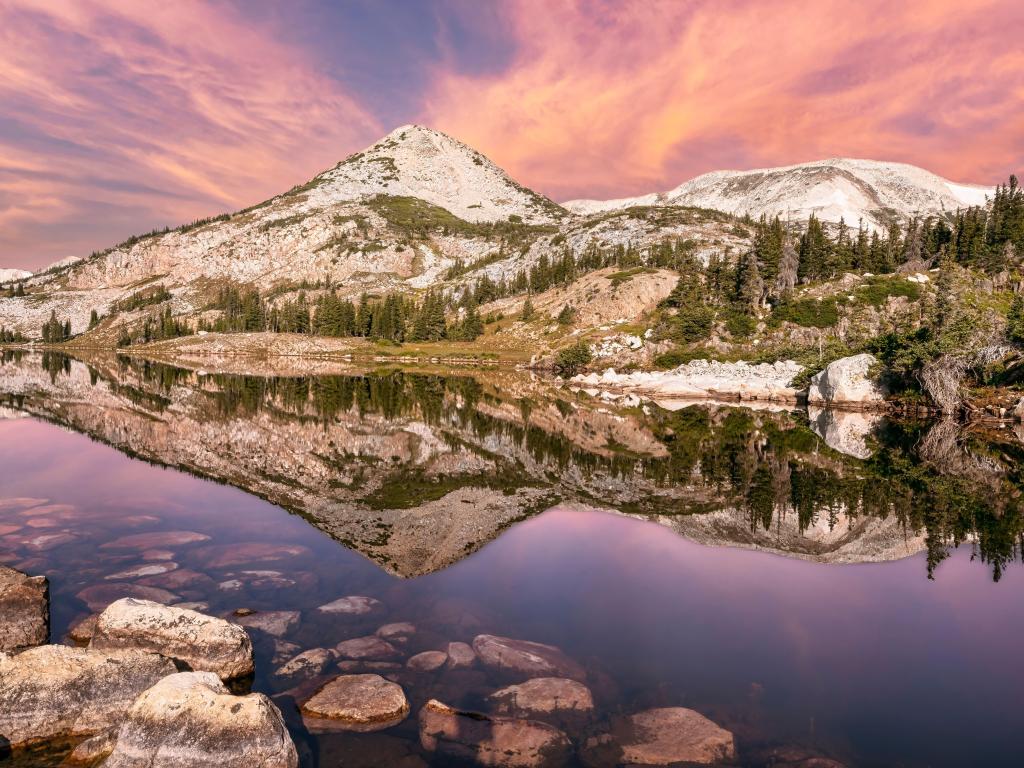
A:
(10, 275)
(836, 189)
(414, 161)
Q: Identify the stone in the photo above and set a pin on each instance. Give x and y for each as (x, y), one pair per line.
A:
(353, 605)
(231, 555)
(55, 691)
(356, 703)
(275, 623)
(156, 540)
(99, 596)
(525, 659)
(141, 571)
(306, 665)
(461, 656)
(24, 610)
(428, 661)
(399, 632)
(666, 736)
(494, 741)
(190, 720)
(846, 382)
(543, 696)
(49, 541)
(355, 666)
(204, 643)
(369, 647)
(82, 630)
(181, 578)
(93, 749)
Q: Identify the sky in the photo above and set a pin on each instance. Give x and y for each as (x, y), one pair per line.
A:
(120, 116)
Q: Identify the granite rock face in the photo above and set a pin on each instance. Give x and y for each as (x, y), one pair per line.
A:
(847, 382)
(190, 720)
(204, 643)
(24, 610)
(55, 691)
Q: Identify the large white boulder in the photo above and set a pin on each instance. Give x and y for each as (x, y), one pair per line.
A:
(24, 610)
(204, 643)
(190, 720)
(55, 691)
(846, 382)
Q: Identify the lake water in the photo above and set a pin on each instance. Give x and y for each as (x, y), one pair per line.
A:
(866, 607)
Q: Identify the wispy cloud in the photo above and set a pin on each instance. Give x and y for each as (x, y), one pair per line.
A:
(609, 99)
(145, 113)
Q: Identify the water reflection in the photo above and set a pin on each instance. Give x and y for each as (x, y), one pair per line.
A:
(417, 470)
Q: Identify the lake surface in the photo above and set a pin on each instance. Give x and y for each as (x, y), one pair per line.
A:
(853, 589)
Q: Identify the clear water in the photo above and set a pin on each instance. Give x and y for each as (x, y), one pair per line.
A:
(871, 663)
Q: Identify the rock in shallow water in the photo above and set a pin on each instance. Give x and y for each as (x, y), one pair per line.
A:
(190, 720)
(525, 659)
(356, 703)
(353, 605)
(56, 692)
(370, 647)
(427, 661)
(274, 623)
(306, 665)
(204, 643)
(493, 741)
(543, 696)
(24, 610)
(461, 655)
(655, 737)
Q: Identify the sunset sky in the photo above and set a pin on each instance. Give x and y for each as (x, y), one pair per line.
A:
(118, 116)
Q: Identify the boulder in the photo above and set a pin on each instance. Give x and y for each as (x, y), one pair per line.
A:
(356, 703)
(494, 741)
(190, 720)
(399, 632)
(55, 691)
(81, 631)
(370, 647)
(428, 661)
(204, 643)
(93, 749)
(525, 659)
(665, 736)
(24, 610)
(846, 382)
(543, 696)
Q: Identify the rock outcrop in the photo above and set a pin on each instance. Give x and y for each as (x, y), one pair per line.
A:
(55, 691)
(847, 383)
(24, 610)
(190, 720)
(356, 703)
(204, 643)
(495, 741)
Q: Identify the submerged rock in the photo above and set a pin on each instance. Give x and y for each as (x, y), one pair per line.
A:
(230, 555)
(846, 382)
(190, 720)
(275, 623)
(493, 741)
(55, 691)
(666, 736)
(156, 539)
(461, 655)
(428, 661)
(370, 647)
(543, 696)
(24, 610)
(204, 643)
(399, 632)
(524, 658)
(99, 596)
(353, 605)
(306, 665)
(356, 703)
(93, 749)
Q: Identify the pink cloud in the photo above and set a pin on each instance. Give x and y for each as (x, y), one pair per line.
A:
(157, 112)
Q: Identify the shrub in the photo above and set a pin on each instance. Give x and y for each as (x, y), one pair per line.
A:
(572, 360)
(810, 313)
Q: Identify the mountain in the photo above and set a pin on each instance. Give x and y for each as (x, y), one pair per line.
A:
(833, 190)
(10, 275)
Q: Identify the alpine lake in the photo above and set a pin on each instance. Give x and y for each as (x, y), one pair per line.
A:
(825, 586)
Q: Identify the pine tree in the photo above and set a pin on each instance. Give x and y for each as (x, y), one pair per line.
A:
(528, 311)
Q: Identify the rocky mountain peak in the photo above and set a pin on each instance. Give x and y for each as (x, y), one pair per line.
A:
(414, 161)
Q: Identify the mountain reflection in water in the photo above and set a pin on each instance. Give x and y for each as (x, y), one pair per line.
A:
(416, 470)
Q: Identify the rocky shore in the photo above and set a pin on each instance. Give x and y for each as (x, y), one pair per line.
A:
(165, 686)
